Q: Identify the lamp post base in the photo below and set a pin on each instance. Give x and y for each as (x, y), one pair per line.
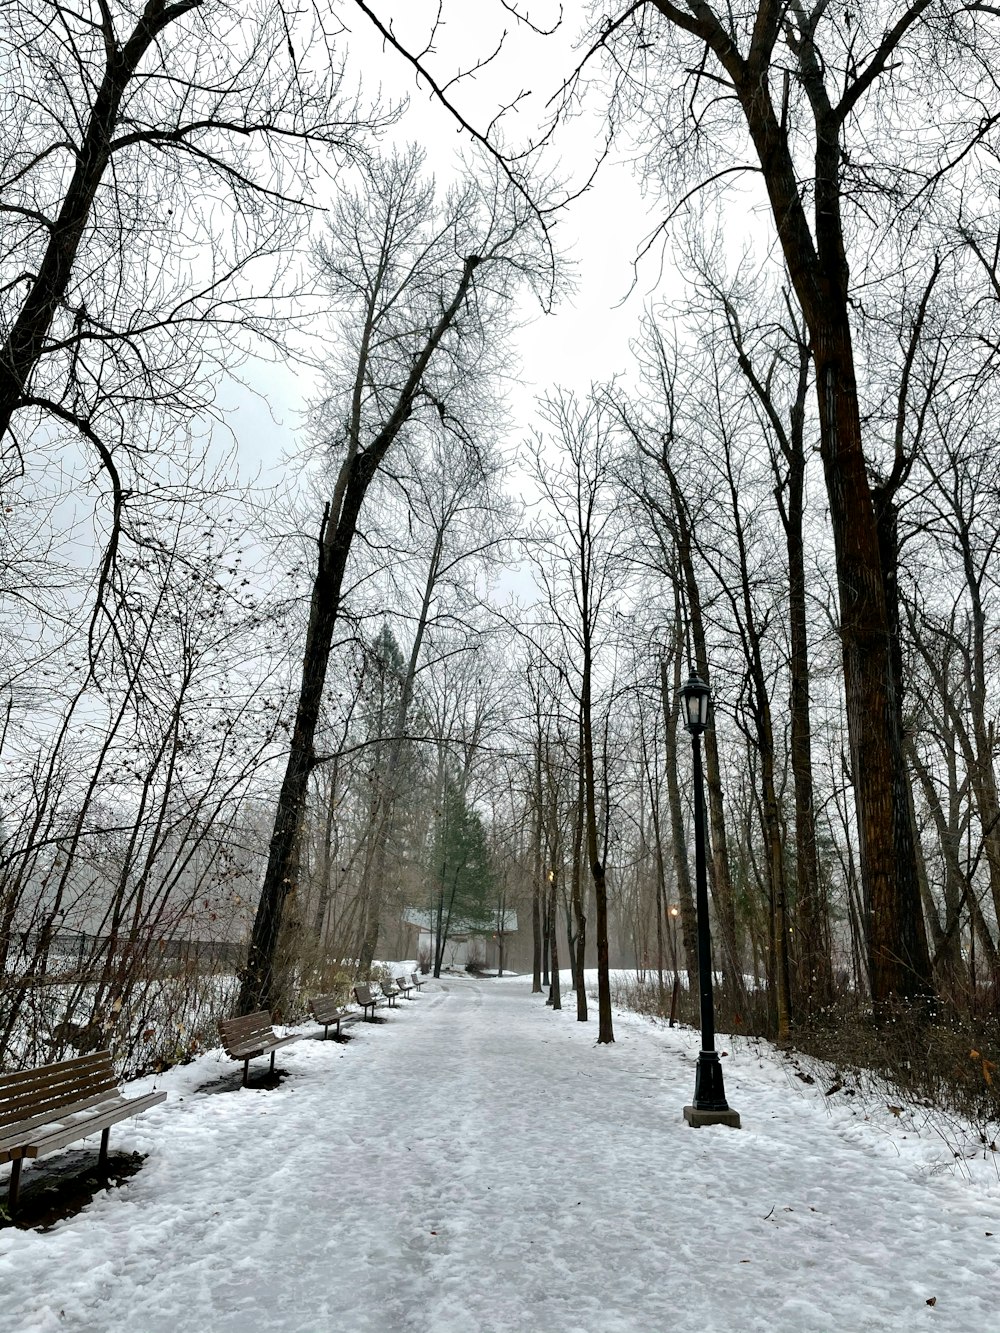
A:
(710, 1106)
(696, 1118)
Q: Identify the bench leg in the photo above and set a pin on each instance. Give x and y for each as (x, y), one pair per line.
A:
(102, 1160)
(337, 1033)
(272, 1062)
(246, 1070)
(15, 1184)
(326, 1031)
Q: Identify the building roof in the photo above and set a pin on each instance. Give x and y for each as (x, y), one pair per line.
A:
(501, 919)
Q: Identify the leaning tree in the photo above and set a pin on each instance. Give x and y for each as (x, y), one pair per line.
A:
(422, 284)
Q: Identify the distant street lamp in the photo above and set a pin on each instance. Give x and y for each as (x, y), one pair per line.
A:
(710, 1106)
(675, 990)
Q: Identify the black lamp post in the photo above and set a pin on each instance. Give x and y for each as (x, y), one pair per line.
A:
(710, 1106)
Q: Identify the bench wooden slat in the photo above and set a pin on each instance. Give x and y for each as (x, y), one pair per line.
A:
(250, 1031)
(250, 1035)
(252, 1048)
(246, 1028)
(326, 1010)
(26, 1100)
(54, 1073)
(99, 1118)
(44, 1109)
(23, 1108)
(363, 995)
(50, 1078)
(17, 1131)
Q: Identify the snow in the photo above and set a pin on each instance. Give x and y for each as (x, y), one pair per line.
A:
(477, 1162)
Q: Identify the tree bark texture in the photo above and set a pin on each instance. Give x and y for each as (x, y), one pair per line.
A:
(818, 269)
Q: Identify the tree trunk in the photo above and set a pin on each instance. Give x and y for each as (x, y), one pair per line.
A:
(536, 936)
(678, 841)
(900, 963)
(605, 1025)
(578, 912)
(815, 969)
(946, 939)
(439, 933)
(720, 879)
(776, 877)
(818, 269)
(555, 992)
(257, 984)
(661, 907)
(539, 942)
(47, 290)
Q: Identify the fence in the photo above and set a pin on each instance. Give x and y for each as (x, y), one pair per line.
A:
(78, 956)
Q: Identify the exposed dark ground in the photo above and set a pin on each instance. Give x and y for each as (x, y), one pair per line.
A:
(61, 1186)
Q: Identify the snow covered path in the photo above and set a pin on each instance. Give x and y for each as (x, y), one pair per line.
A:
(477, 1163)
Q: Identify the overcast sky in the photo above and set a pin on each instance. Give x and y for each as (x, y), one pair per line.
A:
(586, 337)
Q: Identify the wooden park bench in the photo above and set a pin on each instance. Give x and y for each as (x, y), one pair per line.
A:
(403, 987)
(326, 1010)
(366, 998)
(390, 992)
(250, 1035)
(416, 979)
(44, 1109)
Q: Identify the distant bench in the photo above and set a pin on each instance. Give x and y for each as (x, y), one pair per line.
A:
(366, 998)
(326, 1010)
(250, 1035)
(44, 1109)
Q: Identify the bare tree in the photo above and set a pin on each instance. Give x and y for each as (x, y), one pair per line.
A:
(773, 355)
(424, 286)
(453, 508)
(657, 429)
(150, 155)
(129, 794)
(583, 541)
(811, 100)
